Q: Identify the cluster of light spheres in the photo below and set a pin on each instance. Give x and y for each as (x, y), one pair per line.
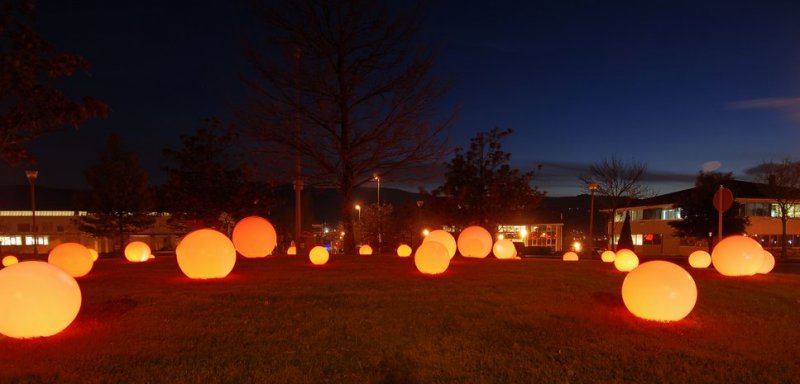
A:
(475, 241)
(73, 258)
(365, 250)
(9, 260)
(39, 299)
(767, 264)
(626, 260)
(699, 259)
(137, 252)
(404, 250)
(444, 238)
(254, 236)
(660, 291)
(318, 255)
(608, 256)
(737, 256)
(570, 256)
(431, 258)
(504, 249)
(206, 254)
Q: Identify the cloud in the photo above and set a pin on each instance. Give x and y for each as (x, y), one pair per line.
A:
(788, 105)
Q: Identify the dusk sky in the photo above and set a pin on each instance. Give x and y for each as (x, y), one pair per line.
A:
(673, 84)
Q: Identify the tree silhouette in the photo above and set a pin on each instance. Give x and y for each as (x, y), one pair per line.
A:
(782, 183)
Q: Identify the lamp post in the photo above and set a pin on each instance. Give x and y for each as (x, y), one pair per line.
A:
(358, 208)
(32, 175)
(380, 229)
(419, 219)
(592, 188)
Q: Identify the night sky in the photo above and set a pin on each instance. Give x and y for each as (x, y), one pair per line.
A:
(673, 84)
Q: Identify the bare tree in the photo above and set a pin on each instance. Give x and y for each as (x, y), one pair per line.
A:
(351, 93)
(782, 183)
(618, 182)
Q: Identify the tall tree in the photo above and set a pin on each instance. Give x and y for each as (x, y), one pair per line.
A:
(782, 183)
(119, 201)
(30, 103)
(482, 188)
(699, 215)
(352, 94)
(618, 182)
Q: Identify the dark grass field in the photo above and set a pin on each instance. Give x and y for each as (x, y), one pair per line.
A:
(374, 319)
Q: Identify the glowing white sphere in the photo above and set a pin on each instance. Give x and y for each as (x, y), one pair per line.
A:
(73, 258)
(474, 241)
(768, 264)
(659, 291)
(431, 258)
(444, 238)
(699, 259)
(38, 299)
(626, 260)
(504, 249)
(608, 256)
(9, 260)
(404, 250)
(737, 256)
(318, 255)
(570, 256)
(137, 252)
(206, 254)
(254, 236)
(365, 250)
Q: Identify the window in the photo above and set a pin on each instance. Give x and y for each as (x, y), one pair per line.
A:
(11, 240)
(757, 209)
(23, 227)
(793, 210)
(671, 214)
(60, 228)
(652, 214)
(40, 240)
(651, 239)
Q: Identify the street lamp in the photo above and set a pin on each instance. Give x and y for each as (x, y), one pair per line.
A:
(592, 189)
(358, 208)
(380, 229)
(32, 175)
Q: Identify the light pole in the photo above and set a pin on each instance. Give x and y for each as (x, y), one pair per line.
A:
(380, 229)
(32, 175)
(358, 208)
(592, 188)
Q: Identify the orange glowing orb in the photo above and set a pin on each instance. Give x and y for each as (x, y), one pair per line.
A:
(444, 238)
(9, 260)
(504, 249)
(404, 250)
(431, 258)
(137, 252)
(254, 236)
(365, 250)
(206, 254)
(737, 256)
(608, 256)
(626, 260)
(94, 254)
(38, 299)
(768, 264)
(292, 250)
(699, 259)
(318, 255)
(73, 258)
(570, 256)
(475, 241)
(660, 291)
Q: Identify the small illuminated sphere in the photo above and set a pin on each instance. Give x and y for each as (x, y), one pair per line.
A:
(292, 250)
(404, 250)
(254, 236)
(608, 256)
(365, 250)
(444, 238)
(626, 260)
(768, 264)
(504, 249)
(570, 256)
(659, 291)
(475, 241)
(73, 258)
(151, 257)
(137, 252)
(737, 256)
(38, 299)
(318, 255)
(9, 260)
(206, 254)
(699, 259)
(431, 258)
(94, 254)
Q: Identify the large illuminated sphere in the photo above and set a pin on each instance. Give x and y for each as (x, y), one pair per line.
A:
(626, 260)
(660, 291)
(73, 258)
(365, 250)
(10, 260)
(404, 250)
(254, 236)
(570, 256)
(431, 258)
(38, 299)
(737, 256)
(206, 254)
(137, 252)
(504, 249)
(768, 264)
(444, 238)
(475, 241)
(699, 259)
(94, 254)
(318, 255)
(608, 256)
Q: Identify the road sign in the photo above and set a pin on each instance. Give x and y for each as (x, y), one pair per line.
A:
(723, 199)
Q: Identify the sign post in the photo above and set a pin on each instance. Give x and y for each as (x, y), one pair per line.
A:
(723, 199)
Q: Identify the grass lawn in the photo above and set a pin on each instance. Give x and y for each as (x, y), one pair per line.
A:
(375, 319)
